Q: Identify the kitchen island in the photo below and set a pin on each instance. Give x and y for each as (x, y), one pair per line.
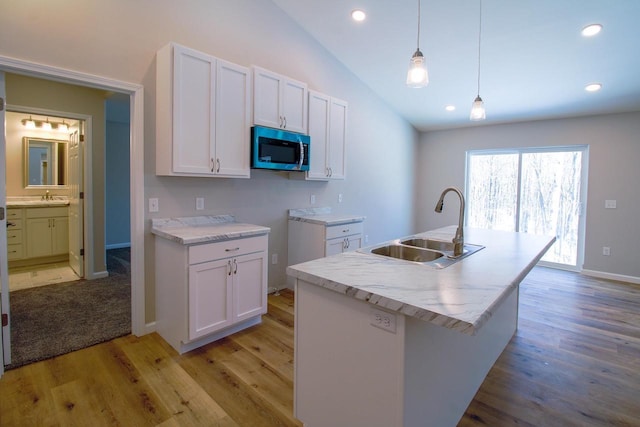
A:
(386, 342)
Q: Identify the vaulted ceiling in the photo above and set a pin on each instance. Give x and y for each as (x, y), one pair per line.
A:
(534, 62)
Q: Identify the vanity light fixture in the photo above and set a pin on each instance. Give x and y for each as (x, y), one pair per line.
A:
(358, 15)
(417, 76)
(591, 30)
(477, 108)
(45, 125)
(593, 87)
(29, 123)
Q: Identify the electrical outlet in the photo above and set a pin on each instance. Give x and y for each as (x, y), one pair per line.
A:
(274, 259)
(312, 199)
(606, 251)
(609, 204)
(383, 320)
(154, 205)
(199, 203)
(340, 198)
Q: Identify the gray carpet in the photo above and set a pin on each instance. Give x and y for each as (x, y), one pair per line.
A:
(56, 319)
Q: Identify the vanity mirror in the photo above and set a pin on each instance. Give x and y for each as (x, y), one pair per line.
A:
(45, 162)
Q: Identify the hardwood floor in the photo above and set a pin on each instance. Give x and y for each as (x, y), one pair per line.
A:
(575, 361)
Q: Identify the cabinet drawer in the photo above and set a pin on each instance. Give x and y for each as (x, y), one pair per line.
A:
(15, 252)
(226, 249)
(14, 214)
(14, 236)
(344, 230)
(14, 224)
(47, 212)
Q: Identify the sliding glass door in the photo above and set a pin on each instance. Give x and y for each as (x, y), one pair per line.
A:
(538, 191)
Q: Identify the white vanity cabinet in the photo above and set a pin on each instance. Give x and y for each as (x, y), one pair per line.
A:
(207, 291)
(327, 129)
(47, 231)
(15, 234)
(279, 101)
(203, 115)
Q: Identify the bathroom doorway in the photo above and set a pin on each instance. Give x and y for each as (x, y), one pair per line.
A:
(134, 93)
(44, 183)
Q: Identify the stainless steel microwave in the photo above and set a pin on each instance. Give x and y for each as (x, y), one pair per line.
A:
(279, 149)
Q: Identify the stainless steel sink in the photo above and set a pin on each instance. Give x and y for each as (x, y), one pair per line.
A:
(408, 253)
(437, 245)
(429, 252)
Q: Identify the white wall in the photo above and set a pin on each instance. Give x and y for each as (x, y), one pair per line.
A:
(119, 39)
(614, 153)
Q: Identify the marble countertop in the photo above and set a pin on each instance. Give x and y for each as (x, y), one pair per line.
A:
(201, 229)
(461, 296)
(323, 216)
(36, 202)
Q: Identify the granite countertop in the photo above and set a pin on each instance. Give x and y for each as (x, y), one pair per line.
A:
(202, 229)
(461, 296)
(36, 202)
(322, 216)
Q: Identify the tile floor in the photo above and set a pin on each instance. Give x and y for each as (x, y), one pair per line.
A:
(40, 275)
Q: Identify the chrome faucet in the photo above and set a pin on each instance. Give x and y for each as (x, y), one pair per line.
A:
(46, 196)
(458, 239)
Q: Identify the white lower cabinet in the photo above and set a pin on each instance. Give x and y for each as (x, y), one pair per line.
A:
(208, 291)
(308, 241)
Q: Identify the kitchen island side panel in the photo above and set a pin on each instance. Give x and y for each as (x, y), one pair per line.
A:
(445, 368)
(347, 372)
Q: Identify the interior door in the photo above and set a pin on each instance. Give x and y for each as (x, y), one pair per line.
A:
(5, 343)
(76, 206)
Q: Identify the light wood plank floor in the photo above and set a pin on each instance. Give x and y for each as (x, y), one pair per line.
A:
(575, 361)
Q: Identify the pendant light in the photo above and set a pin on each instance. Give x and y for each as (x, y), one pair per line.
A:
(417, 76)
(477, 108)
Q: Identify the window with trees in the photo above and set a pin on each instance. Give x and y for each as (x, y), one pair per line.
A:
(538, 191)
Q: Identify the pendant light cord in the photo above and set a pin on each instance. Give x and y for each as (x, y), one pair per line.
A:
(418, 41)
(479, 41)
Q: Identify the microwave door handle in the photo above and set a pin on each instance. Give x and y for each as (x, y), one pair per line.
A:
(301, 154)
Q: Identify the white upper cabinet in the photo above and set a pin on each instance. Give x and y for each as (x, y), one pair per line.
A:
(327, 129)
(278, 101)
(202, 115)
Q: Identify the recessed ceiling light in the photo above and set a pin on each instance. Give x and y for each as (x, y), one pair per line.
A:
(591, 30)
(450, 107)
(358, 15)
(593, 87)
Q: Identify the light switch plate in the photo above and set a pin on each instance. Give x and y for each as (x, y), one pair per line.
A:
(153, 204)
(610, 204)
(199, 203)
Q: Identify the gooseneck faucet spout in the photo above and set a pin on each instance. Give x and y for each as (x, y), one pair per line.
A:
(458, 239)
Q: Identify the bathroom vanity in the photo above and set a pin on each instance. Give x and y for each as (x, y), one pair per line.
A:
(381, 341)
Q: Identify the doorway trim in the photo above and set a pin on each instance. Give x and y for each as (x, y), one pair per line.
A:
(136, 96)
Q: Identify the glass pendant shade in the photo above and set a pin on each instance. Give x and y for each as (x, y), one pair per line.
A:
(477, 110)
(417, 76)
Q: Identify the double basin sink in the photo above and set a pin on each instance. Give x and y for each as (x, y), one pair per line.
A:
(430, 252)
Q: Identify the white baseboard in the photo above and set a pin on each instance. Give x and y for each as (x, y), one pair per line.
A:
(118, 245)
(612, 276)
(149, 328)
(97, 275)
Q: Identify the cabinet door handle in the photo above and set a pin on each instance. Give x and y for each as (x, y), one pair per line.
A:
(212, 165)
(11, 224)
(218, 164)
(229, 265)
(346, 230)
(326, 172)
(235, 267)
(232, 250)
(285, 122)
